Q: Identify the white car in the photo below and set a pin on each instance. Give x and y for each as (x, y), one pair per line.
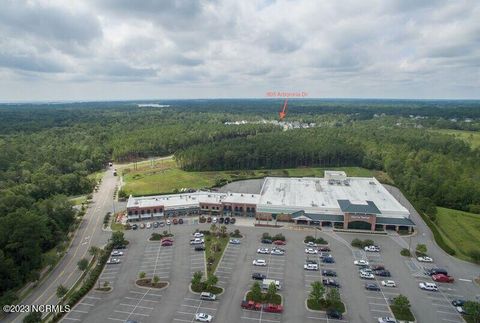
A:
(372, 249)
(360, 262)
(277, 252)
(117, 253)
(311, 251)
(148, 225)
(425, 259)
(366, 275)
(366, 270)
(113, 261)
(388, 283)
(203, 317)
(460, 310)
(234, 241)
(263, 251)
(259, 262)
(311, 244)
(387, 319)
(310, 267)
(214, 220)
(428, 286)
(197, 241)
(169, 222)
(198, 235)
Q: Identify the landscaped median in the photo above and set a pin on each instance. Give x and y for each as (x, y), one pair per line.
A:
(321, 299)
(400, 307)
(153, 282)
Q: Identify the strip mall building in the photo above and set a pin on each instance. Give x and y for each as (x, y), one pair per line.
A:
(335, 200)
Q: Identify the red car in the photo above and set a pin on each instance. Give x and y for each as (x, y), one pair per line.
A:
(441, 278)
(167, 243)
(175, 221)
(167, 239)
(324, 249)
(251, 305)
(279, 242)
(272, 308)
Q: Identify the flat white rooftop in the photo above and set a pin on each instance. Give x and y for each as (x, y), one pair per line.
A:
(321, 195)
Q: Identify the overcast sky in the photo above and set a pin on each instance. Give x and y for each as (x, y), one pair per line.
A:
(154, 49)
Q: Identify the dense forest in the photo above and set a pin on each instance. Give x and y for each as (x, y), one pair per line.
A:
(47, 151)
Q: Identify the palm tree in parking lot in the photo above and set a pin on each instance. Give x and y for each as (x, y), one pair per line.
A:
(223, 230)
(213, 228)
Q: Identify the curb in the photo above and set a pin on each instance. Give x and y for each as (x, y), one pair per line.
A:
(191, 291)
(155, 288)
(322, 311)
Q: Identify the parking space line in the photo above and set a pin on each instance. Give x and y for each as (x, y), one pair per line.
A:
(130, 313)
(87, 304)
(148, 308)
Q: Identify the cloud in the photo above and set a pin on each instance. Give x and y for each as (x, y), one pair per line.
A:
(183, 48)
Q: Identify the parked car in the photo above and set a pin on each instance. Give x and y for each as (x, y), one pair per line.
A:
(366, 270)
(167, 239)
(279, 242)
(441, 278)
(424, 259)
(387, 319)
(209, 219)
(360, 262)
(155, 224)
(227, 221)
(220, 220)
(258, 276)
(251, 305)
(311, 261)
(263, 251)
(311, 251)
(167, 243)
(113, 261)
(428, 286)
(235, 241)
(169, 222)
(259, 262)
(142, 225)
(266, 241)
(208, 296)
(435, 271)
(197, 241)
(311, 244)
(277, 252)
(334, 314)
(175, 221)
(383, 273)
(272, 308)
(388, 283)
(200, 248)
(329, 273)
(198, 235)
(310, 267)
(372, 286)
(149, 225)
(180, 221)
(134, 226)
(161, 223)
(328, 260)
(324, 249)
(365, 275)
(232, 220)
(377, 267)
(117, 253)
(214, 220)
(203, 317)
(458, 302)
(372, 248)
(330, 282)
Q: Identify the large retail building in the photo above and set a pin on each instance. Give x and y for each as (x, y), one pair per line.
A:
(334, 200)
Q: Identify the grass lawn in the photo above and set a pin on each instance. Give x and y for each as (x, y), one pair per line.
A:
(461, 230)
(79, 200)
(165, 177)
(97, 176)
(215, 256)
(471, 137)
(402, 316)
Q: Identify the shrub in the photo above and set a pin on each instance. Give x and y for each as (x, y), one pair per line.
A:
(405, 252)
(278, 237)
(266, 235)
(309, 239)
(321, 241)
(356, 243)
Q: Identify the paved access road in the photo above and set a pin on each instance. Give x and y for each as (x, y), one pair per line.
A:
(88, 234)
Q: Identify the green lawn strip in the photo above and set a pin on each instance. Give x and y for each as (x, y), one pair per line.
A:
(115, 226)
(163, 180)
(277, 299)
(79, 200)
(470, 137)
(460, 229)
(406, 315)
(210, 254)
(323, 306)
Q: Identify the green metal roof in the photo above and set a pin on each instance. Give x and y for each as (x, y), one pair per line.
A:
(394, 221)
(348, 207)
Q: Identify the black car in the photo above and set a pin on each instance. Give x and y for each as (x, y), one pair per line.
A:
(378, 267)
(134, 227)
(220, 220)
(155, 224)
(329, 273)
(180, 221)
(436, 271)
(330, 282)
(232, 221)
(371, 286)
(383, 273)
(227, 221)
(328, 260)
(458, 302)
(200, 248)
(258, 276)
(267, 241)
(121, 247)
(334, 314)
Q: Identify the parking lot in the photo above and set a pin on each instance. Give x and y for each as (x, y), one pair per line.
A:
(177, 264)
